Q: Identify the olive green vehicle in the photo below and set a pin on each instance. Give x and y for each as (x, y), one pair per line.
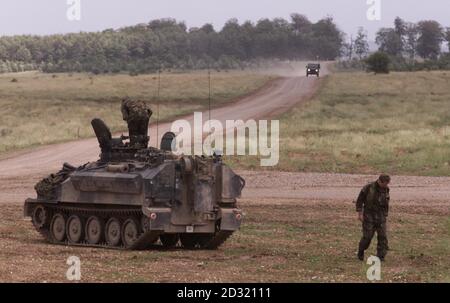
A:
(313, 69)
(138, 197)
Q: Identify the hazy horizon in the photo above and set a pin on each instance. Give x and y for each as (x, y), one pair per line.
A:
(50, 16)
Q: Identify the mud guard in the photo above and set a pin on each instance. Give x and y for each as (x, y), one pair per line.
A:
(162, 217)
(231, 219)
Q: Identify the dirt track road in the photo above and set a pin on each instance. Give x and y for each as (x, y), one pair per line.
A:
(19, 172)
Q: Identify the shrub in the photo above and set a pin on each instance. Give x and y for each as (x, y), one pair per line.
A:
(378, 63)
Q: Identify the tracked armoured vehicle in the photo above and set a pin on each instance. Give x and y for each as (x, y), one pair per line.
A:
(136, 198)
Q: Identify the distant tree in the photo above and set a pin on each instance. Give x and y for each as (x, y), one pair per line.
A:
(412, 33)
(400, 27)
(361, 44)
(348, 48)
(13, 67)
(300, 24)
(392, 40)
(203, 41)
(430, 39)
(265, 40)
(247, 40)
(326, 39)
(378, 63)
(231, 39)
(300, 41)
(3, 67)
(272, 38)
(3, 52)
(389, 41)
(447, 37)
(23, 54)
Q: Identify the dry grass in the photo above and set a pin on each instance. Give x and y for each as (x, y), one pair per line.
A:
(362, 123)
(44, 108)
(280, 241)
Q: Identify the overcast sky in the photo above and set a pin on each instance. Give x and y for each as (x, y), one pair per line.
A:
(50, 16)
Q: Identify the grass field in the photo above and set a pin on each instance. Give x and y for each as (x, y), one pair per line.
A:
(38, 108)
(364, 123)
(282, 241)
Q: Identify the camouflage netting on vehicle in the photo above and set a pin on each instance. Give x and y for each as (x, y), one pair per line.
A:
(46, 187)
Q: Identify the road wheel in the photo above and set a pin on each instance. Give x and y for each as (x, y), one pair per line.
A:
(169, 240)
(75, 229)
(130, 232)
(40, 217)
(112, 232)
(94, 230)
(58, 227)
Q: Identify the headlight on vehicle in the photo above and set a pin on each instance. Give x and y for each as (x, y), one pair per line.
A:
(309, 70)
(317, 70)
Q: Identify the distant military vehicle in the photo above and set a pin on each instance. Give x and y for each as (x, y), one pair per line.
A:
(134, 197)
(313, 69)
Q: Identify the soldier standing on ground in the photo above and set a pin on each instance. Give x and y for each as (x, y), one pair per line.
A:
(137, 114)
(373, 207)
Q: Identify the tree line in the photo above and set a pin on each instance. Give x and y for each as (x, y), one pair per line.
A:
(408, 44)
(167, 43)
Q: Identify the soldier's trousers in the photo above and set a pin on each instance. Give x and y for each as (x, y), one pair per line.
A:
(374, 222)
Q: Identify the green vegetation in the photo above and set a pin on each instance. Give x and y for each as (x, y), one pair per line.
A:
(169, 44)
(378, 63)
(41, 108)
(398, 123)
(410, 47)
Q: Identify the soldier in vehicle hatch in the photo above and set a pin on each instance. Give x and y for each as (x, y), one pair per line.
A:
(137, 114)
(373, 207)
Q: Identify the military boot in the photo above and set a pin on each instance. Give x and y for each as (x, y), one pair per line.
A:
(361, 255)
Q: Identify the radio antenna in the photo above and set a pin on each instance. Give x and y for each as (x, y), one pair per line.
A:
(157, 105)
(209, 97)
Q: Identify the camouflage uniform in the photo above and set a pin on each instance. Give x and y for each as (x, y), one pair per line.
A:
(373, 200)
(137, 114)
